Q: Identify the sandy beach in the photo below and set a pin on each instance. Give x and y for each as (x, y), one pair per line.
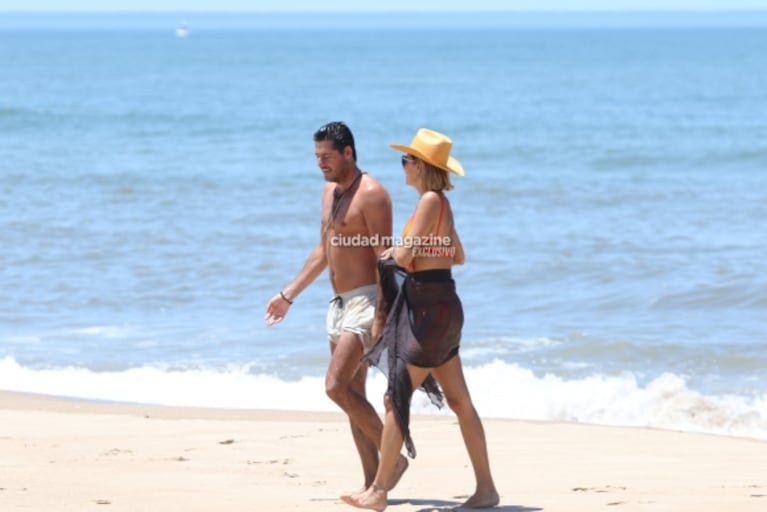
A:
(68, 455)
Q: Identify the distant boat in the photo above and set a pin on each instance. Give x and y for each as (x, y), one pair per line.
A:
(182, 30)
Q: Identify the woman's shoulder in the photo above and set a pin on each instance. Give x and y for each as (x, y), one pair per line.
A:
(431, 199)
(432, 203)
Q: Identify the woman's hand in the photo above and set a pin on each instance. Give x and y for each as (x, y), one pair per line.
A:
(387, 254)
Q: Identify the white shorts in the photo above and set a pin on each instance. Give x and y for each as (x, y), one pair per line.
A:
(353, 311)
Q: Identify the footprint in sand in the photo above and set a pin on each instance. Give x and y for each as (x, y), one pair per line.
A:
(607, 488)
(272, 461)
(116, 451)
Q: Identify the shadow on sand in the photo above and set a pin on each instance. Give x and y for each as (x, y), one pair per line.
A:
(444, 506)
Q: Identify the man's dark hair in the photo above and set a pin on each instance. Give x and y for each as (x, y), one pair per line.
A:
(339, 134)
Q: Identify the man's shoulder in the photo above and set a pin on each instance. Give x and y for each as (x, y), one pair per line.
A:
(372, 188)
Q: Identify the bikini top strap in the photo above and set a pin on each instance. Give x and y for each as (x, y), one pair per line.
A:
(441, 211)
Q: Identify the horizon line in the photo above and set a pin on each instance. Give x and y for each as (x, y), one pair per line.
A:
(392, 11)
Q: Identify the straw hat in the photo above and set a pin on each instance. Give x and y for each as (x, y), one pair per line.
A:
(433, 148)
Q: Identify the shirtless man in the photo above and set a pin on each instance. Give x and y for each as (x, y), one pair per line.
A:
(356, 222)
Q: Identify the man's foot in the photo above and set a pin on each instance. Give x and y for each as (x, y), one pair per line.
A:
(372, 499)
(399, 470)
(487, 499)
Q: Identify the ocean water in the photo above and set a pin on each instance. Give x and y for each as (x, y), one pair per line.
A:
(156, 191)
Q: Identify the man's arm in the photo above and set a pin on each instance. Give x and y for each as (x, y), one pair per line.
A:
(278, 306)
(377, 211)
(315, 264)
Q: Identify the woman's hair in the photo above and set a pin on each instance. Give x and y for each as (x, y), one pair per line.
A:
(433, 178)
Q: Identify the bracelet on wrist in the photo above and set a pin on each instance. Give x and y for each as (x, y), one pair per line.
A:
(285, 298)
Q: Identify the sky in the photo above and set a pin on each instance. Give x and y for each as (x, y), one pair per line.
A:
(374, 5)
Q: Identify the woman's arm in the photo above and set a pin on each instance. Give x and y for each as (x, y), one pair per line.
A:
(424, 220)
(459, 258)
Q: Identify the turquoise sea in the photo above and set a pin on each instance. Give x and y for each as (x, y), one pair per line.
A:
(156, 191)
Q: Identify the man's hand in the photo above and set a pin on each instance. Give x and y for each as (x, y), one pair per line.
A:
(276, 310)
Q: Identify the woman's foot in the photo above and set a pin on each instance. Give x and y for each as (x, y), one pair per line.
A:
(354, 494)
(372, 499)
(482, 499)
(399, 470)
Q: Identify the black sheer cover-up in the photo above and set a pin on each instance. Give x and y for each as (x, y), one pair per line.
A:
(423, 325)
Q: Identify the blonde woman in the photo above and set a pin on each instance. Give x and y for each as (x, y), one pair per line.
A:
(424, 318)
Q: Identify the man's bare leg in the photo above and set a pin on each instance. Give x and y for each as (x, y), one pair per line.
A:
(375, 497)
(345, 385)
(367, 449)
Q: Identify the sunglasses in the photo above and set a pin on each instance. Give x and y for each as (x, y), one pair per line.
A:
(406, 159)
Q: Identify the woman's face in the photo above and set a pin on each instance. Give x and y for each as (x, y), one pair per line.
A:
(410, 166)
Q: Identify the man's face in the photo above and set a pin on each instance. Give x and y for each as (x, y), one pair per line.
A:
(333, 164)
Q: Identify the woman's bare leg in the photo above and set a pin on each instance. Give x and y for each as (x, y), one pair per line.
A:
(451, 379)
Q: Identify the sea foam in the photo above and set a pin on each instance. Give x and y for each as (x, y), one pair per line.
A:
(499, 390)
